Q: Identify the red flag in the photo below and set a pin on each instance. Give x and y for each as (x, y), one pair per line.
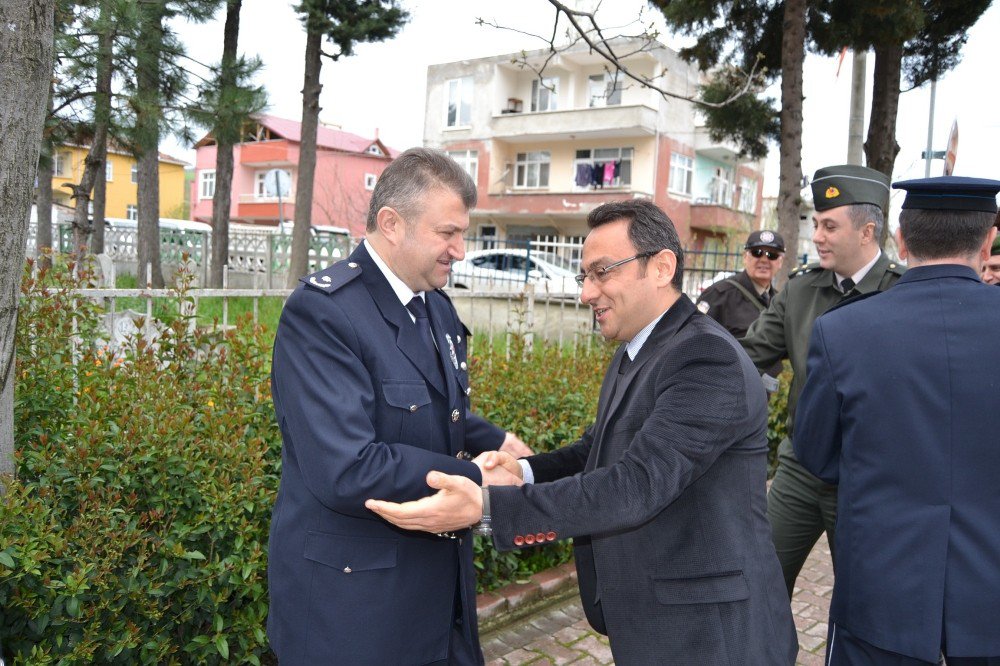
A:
(840, 61)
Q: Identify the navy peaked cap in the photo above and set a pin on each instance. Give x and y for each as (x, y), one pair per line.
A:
(950, 193)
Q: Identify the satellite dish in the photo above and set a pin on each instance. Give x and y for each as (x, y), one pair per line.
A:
(277, 183)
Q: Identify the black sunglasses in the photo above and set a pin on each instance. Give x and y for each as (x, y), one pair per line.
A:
(758, 252)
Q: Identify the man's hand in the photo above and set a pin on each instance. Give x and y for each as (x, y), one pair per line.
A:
(513, 445)
(499, 469)
(457, 505)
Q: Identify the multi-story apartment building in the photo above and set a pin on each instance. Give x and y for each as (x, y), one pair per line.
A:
(347, 167)
(121, 176)
(544, 151)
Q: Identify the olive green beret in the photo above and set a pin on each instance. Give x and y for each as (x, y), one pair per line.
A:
(848, 184)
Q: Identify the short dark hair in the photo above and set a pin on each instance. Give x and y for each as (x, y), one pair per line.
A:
(649, 229)
(411, 175)
(938, 234)
(863, 213)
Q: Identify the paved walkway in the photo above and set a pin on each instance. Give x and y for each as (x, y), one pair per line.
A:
(561, 635)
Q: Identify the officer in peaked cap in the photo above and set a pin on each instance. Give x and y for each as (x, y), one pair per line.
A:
(898, 410)
(850, 203)
(737, 301)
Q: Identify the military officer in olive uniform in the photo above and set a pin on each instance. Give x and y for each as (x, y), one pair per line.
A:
(737, 301)
(991, 269)
(850, 204)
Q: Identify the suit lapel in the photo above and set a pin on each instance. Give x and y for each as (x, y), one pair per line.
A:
(393, 312)
(672, 321)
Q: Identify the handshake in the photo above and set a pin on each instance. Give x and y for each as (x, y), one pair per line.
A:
(458, 502)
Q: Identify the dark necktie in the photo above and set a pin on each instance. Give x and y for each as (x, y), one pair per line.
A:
(625, 363)
(418, 309)
(847, 285)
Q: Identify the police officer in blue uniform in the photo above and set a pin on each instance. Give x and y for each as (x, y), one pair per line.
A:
(900, 408)
(371, 391)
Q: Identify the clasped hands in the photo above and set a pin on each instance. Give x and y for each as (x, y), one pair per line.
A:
(458, 502)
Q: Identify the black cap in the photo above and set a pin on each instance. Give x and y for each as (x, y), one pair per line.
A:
(951, 193)
(765, 238)
(848, 184)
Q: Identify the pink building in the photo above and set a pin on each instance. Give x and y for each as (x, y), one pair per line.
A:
(347, 167)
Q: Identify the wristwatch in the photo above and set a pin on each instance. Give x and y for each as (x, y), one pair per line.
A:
(484, 527)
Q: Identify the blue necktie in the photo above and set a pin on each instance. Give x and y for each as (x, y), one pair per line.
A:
(418, 309)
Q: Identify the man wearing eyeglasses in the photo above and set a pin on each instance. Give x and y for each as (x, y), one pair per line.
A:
(664, 493)
(850, 203)
(737, 301)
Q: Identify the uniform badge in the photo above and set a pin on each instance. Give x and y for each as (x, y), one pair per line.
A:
(703, 307)
(451, 350)
(832, 193)
(766, 237)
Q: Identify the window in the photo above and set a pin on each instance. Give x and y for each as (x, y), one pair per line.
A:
(370, 180)
(109, 171)
(264, 188)
(748, 194)
(681, 173)
(459, 102)
(131, 212)
(605, 90)
(62, 164)
(591, 171)
(487, 236)
(544, 94)
(375, 150)
(720, 187)
(135, 173)
(532, 169)
(468, 160)
(206, 184)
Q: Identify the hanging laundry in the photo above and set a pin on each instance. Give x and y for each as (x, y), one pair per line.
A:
(598, 180)
(609, 173)
(584, 174)
(618, 168)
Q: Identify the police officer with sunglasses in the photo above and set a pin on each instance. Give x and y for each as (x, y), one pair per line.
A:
(737, 301)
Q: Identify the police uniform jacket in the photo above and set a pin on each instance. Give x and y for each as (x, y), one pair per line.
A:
(724, 302)
(362, 418)
(671, 541)
(900, 408)
(783, 330)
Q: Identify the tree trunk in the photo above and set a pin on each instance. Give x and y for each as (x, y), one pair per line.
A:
(102, 120)
(881, 147)
(311, 88)
(147, 151)
(221, 201)
(790, 174)
(25, 73)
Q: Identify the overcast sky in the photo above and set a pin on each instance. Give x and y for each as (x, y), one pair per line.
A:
(383, 85)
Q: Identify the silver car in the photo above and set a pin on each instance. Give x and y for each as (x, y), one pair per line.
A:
(508, 271)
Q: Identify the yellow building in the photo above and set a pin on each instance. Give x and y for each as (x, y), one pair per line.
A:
(122, 192)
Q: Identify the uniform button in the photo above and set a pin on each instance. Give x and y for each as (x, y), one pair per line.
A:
(519, 540)
(551, 536)
(413, 408)
(468, 391)
(464, 366)
(347, 569)
(540, 537)
(454, 416)
(529, 539)
(352, 265)
(459, 338)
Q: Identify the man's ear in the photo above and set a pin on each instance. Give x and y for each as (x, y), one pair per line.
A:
(868, 232)
(901, 244)
(665, 264)
(984, 251)
(390, 224)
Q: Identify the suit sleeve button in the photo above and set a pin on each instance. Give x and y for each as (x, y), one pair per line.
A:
(529, 539)
(519, 540)
(540, 537)
(551, 536)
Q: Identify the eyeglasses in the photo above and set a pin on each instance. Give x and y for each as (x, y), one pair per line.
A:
(600, 274)
(758, 252)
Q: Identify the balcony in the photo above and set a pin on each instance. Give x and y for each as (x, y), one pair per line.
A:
(710, 216)
(592, 123)
(267, 153)
(252, 207)
(721, 151)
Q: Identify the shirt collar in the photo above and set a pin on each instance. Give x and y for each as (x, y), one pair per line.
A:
(403, 293)
(635, 344)
(860, 275)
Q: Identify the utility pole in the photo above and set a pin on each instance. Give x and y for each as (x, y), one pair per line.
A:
(856, 128)
(929, 154)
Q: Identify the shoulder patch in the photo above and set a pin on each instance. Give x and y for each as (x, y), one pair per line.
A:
(703, 307)
(853, 299)
(803, 269)
(332, 278)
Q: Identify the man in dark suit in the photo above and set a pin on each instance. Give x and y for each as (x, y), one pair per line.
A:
(900, 408)
(664, 493)
(370, 389)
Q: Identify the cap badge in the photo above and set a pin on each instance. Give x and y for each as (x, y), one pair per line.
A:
(766, 236)
(832, 193)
